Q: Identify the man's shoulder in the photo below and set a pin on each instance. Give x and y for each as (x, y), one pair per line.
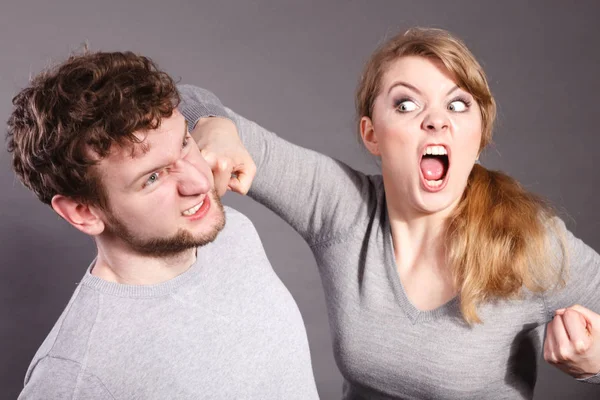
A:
(230, 211)
(239, 233)
(236, 221)
(59, 378)
(68, 339)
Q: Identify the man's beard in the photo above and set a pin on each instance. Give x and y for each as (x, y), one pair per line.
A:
(169, 246)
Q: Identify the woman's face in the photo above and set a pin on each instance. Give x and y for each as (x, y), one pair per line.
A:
(427, 131)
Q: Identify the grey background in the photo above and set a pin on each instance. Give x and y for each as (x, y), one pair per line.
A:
(293, 67)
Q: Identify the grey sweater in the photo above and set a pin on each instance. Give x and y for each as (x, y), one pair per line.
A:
(384, 346)
(226, 329)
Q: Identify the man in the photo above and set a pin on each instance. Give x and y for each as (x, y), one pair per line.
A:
(176, 304)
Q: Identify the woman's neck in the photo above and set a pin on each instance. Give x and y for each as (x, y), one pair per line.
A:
(418, 236)
(421, 258)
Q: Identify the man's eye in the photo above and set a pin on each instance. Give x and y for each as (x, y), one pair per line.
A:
(152, 179)
(406, 106)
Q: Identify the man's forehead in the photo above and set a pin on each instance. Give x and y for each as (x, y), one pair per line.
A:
(128, 151)
(156, 146)
(148, 139)
(123, 164)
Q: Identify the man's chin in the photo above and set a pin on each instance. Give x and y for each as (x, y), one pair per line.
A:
(212, 223)
(184, 239)
(179, 242)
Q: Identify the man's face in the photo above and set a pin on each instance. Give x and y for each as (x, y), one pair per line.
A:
(160, 201)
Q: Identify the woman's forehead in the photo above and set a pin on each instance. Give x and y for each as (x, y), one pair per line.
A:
(426, 72)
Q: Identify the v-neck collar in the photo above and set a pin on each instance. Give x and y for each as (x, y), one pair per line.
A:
(416, 316)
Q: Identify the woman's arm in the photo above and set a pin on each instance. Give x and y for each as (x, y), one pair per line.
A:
(572, 341)
(318, 196)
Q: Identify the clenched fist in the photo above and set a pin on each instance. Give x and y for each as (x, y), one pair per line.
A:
(573, 341)
(221, 147)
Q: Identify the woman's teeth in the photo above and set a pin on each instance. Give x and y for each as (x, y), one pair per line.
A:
(435, 151)
(434, 183)
(193, 210)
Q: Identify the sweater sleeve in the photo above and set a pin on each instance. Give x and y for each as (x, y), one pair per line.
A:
(582, 281)
(318, 196)
(582, 278)
(57, 378)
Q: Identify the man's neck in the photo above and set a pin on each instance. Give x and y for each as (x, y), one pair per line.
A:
(127, 267)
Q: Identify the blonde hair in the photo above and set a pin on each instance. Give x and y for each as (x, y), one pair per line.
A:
(497, 238)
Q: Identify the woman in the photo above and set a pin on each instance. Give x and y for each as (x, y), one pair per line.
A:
(439, 275)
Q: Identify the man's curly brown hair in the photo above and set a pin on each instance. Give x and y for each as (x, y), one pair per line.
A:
(71, 116)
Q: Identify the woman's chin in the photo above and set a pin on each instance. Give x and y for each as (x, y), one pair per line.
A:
(435, 203)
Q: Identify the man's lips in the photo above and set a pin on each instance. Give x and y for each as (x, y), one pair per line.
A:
(192, 210)
(199, 210)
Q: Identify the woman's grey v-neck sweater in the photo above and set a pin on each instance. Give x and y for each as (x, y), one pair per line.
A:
(384, 346)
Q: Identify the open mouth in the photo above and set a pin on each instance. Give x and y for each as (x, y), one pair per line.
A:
(434, 166)
(193, 210)
(198, 210)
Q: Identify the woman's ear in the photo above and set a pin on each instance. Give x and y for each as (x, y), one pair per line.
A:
(82, 216)
(369, 138)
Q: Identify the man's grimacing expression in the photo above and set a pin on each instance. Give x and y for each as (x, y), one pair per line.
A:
(161, 200)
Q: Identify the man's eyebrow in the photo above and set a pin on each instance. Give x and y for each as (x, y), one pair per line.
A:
(158, 167)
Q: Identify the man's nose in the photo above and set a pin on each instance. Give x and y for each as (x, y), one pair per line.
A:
(190, 181)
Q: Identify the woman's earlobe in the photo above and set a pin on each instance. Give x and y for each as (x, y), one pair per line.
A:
(369, 138)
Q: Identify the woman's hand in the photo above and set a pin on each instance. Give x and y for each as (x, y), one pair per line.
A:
(221, 147)
(573, 342)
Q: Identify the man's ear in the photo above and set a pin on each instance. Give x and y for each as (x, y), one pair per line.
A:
(367, 133)
(84, 217)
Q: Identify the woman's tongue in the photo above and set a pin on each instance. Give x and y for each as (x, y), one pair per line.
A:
(432, 168)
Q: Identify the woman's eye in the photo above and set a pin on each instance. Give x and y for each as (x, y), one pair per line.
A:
(406, 106)
(458, 106)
